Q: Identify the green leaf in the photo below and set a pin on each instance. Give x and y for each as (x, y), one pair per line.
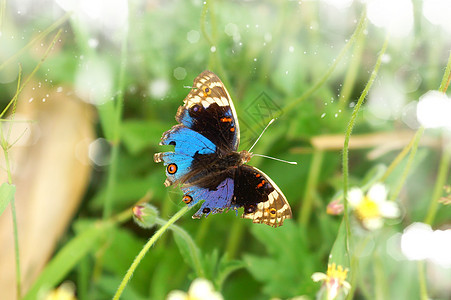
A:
(137, 135)
(7, 192)
(286, 271)
(225, 268)
(67, 259)
(189, 250)
(339, 254)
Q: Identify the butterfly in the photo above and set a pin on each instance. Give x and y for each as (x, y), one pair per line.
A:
(206, 163)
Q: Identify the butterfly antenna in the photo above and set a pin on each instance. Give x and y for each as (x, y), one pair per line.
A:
(270, 122)
(187, 87)
(278, 159)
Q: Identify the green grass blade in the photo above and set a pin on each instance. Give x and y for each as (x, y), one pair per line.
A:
(67, 259)
(7, 192)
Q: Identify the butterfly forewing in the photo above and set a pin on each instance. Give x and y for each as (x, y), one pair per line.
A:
(209, 110)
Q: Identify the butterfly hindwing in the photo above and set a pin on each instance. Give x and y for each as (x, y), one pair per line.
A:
(261, 198)
(209, 110)
(216, 200)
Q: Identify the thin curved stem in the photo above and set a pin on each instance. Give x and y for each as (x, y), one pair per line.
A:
(57, 35)
(312, 182)
(439, 184)
(112, 174)
(399, 157)
(49, 29)
(422, 279)
(413, 152)
(6, 147)
(346, 146)
(145, 249)
(445, 159)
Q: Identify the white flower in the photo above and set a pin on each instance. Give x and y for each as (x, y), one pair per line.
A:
(66, 291)
(200, 289)
(433, 110)
(373, 207)
(334, 281)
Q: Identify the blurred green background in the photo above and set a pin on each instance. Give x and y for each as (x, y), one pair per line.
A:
(274, 58)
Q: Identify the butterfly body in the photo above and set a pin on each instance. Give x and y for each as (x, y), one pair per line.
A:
(206, 163)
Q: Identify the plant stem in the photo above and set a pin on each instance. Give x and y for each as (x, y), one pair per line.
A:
(400, 157)
(401, 182)
(234, 237)
(352, 72)
(6, 146)
(439, 184)
(15, 231)
(146, 248)
(312, 181)
(446, 76)
(116, 139)
(215, 61)
(380, 279)
(422, 280)
(33, 72)
(203, 21)
(49, 29)
(346, 145)
(2, 13)
(446, 156)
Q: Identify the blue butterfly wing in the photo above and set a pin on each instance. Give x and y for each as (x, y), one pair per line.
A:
(215, 200)
(187, 143)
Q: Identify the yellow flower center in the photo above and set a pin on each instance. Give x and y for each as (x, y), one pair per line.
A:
(367, 209)
(335, 273)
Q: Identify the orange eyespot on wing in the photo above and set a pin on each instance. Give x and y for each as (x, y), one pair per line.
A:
(187, 199)
(207, 91)
(172, 168)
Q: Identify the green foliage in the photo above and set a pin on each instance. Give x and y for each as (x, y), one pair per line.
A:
(68, 257)
(318, 72)
(290, 262)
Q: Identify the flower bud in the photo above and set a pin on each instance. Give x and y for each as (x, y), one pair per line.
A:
(145, 215)
(335, 208)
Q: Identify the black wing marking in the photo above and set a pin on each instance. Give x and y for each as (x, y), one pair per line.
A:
(208, 109)
(262, 199)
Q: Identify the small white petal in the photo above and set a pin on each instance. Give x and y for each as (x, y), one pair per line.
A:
(346, 286)
(318, 276)
(215, 296)
(373, 223)
(355, 196)
(378, 193)
(177, 295)
(202, 289)
(389, 210)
